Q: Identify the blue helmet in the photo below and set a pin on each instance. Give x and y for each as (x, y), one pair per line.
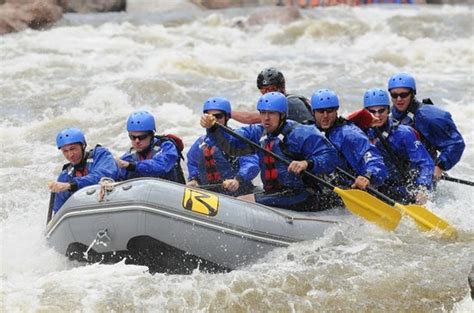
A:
(273, 102)
(324, 99)
(68, 136)
(376, 96)
(141, 121)
(217, 103)
(402, 80)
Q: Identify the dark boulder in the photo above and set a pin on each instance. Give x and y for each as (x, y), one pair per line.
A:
(17, 15)
(90, 6)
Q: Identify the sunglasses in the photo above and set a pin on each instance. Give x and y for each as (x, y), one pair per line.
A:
(219, 115)
(139, 137)
(402, 95)
(330, 110)
(379, 111)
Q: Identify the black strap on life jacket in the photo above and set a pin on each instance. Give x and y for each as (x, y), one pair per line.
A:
(401, 163)
(212, 173)
(285, 131)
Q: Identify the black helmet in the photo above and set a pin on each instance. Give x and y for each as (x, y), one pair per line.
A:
(270, 76)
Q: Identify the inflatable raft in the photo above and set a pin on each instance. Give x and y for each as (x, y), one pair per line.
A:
(173, 228)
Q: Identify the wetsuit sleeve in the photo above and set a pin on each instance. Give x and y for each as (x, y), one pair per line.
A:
(61, 197)
(419, 158)
(161, 163)
(103, 166)
(375, 166)
(438, 128)
(123, 172)
(363, 157)
(194, 154)
(317, 148)
(249, 167)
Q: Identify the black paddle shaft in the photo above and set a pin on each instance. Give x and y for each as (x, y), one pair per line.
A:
(457, 180)
(50, 208)
(276, 156)
(391, 154)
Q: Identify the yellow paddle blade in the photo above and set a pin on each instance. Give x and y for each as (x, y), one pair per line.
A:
(426, 220)
(369, 207)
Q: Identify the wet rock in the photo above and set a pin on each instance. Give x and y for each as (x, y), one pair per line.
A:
(88, 6)
(282, 15)
(162, 6)
(17, 15)
(224, 4)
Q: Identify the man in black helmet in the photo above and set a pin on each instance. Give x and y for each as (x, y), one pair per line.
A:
(269, 80)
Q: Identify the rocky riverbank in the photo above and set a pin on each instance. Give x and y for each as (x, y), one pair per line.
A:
(17, 15)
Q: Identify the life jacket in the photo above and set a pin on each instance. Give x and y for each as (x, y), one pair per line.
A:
(410, 113)
(212, 173)
(81, 169)
(176, 141)
(270, 177)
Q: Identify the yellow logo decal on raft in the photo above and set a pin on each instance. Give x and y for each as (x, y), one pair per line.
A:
(200, 202)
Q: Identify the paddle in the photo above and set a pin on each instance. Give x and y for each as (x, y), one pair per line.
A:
(209, 186)
(50, 208)
(356, 201)
(425, 219)
(456, 180)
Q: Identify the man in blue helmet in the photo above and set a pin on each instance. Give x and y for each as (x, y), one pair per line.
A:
(85, 168)
(436, 126)
(356, 154)
(409, 164)
(310, 150)
(272, 80)
(150, 155)
(209, 165)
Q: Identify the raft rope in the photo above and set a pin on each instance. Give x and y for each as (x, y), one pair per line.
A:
(107, 185)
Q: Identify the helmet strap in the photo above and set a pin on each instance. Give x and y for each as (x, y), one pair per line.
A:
(414, 104)
(84, 157)
(282, 123)
(84, 146)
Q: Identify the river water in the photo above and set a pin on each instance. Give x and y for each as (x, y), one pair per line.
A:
(91, 71)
